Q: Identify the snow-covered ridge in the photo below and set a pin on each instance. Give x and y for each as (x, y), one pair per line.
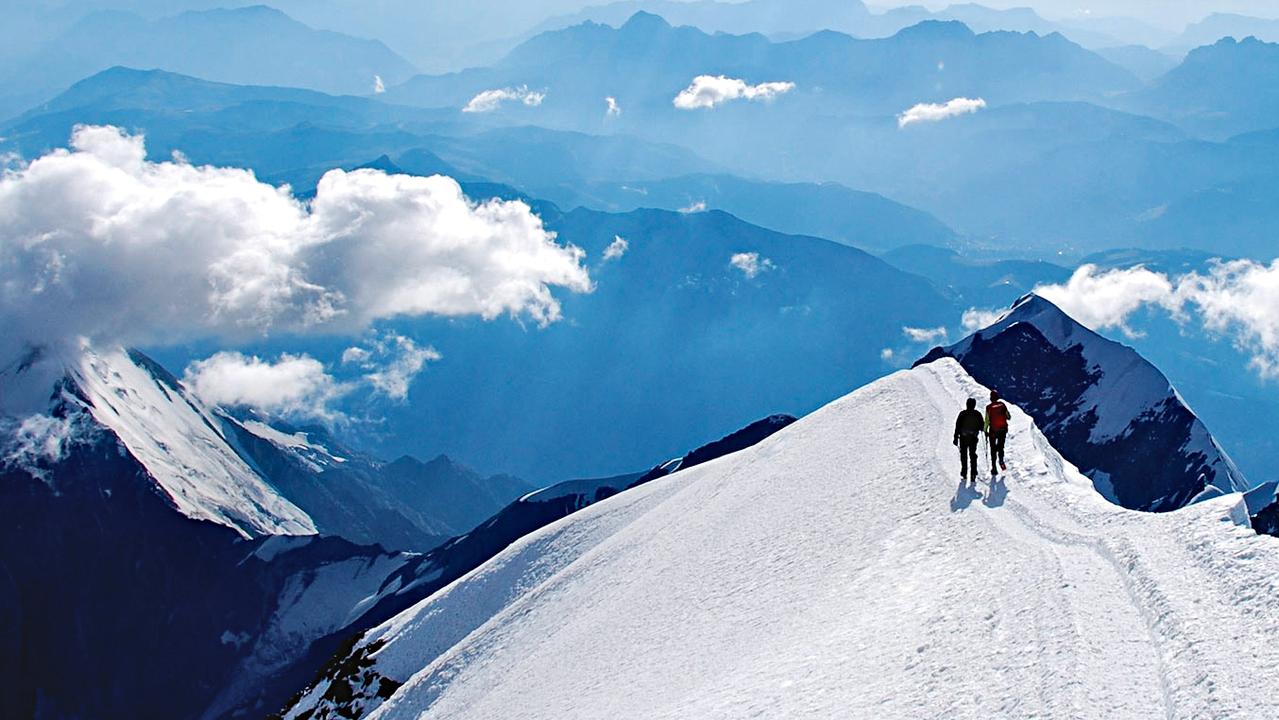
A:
(1104, 407)
(810, 576)
(180, 442)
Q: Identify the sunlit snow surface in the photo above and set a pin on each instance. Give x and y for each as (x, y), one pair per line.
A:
(179, 442)
(835, 570)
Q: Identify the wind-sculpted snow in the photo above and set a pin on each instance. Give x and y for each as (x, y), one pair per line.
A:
(1103, 406)
(834, 570)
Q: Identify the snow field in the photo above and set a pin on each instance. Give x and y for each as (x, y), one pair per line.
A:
(837, 570)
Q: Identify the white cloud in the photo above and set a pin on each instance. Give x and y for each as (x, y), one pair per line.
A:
(751, 264)
(1104, 300)
(930, 112)
(301, 386)
(378, 86)
(1241, 299)
(616, 249)
(925, 335)
(355, 356)
(887, 354)
(614, 110)
(977, 319)
(490, 100)
(293, 385)
(97, 242)
(393, 362)
(707, 91)
(696, 207)
(1238, 299)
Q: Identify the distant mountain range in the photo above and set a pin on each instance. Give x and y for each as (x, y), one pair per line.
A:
(781, 19)
(1220, 90)
(646, 62)
(1026, 171)
(1216, 26)
(251, 45)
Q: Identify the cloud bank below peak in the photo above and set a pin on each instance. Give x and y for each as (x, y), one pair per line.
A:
(97, 242)
(491, 100)
(1238, 299)
(936, 112)
(709, 91)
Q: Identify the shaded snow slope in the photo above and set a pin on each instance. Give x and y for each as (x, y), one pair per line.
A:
(834, 570)
(180, 443)
(1103, 406)
(258, 476)
(1263, 508)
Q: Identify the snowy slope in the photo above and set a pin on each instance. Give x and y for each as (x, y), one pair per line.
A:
(835, 570)
(178, 440)
(1103, 406)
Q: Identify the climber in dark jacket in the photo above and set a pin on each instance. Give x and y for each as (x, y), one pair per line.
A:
(968, 428)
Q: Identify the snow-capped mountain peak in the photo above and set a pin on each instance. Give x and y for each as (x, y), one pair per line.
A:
(178, 440)
(1104, 407)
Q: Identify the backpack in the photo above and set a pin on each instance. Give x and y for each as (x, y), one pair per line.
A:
(998, 414)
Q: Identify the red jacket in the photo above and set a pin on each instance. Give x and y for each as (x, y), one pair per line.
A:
(997, 417)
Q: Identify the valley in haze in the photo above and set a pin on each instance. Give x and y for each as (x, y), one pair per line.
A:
(574, 358)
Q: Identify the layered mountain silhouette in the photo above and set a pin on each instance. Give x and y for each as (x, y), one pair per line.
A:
(646, 62)
(250, 45)
(1220, 90)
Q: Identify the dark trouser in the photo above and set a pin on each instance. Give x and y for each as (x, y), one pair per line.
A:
(997, 447)
(967, 455)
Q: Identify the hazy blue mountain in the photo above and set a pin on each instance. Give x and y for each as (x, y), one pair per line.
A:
(985, 19)
(1087, 195)
(1172, 262)
(828, 210)
(646, 62)
(534, 157)
(1220, 90)
(675, 342)
(1216, 26)
(294, 136)
(975, 281)
(301, 133)
(439, 35)
(402, 505)
(779, 18)
(1145, 63)
(1233, 218)
(120, 88)
(772, 17)
(253, 45)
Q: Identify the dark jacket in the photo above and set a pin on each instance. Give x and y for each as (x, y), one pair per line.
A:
(970, 423)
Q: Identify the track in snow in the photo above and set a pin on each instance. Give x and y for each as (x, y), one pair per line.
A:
(835, 571)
